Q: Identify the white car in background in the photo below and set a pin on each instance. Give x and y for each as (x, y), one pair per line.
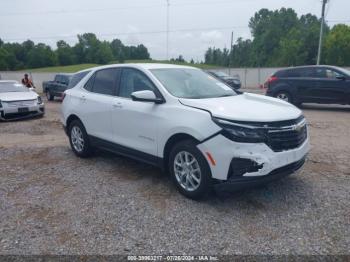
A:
(188, 123)
(18, 101)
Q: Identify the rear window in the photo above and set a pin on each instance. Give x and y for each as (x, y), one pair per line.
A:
(77, 78)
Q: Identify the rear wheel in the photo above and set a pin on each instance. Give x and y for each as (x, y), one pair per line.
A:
(49, 96)
(79, 139)
(189, 170)
(285, 96)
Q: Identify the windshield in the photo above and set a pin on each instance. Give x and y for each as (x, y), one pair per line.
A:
(221, 74)
(12, 87)
(191, 83)
(343, 70)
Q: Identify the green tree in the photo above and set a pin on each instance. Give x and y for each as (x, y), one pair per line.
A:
(337, 46)
(117, 48)
(41, 55)
(65, 53)
(103, 53)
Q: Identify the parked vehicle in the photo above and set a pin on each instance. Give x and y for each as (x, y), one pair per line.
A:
(56, 87)
(310, 84)
(232, 81)
(77, 77)
(18, 101)
(181, 120)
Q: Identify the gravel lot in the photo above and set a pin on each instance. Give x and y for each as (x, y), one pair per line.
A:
(52, 202)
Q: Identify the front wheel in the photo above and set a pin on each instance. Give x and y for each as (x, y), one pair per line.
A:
(49, 96)
(285, 96)
(189, 170)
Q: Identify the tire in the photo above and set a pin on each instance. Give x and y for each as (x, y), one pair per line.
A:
(197, 175)
(49, 96)
(79, 139)
(285, 96)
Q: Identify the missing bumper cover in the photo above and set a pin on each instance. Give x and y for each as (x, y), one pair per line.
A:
(240, 166)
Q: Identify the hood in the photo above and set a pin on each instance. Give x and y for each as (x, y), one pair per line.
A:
(18, 96)
(246, 107)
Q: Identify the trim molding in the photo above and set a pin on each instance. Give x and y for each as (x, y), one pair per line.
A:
(126, 151)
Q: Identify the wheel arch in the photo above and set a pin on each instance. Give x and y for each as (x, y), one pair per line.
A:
(71, 118)
(173, 140)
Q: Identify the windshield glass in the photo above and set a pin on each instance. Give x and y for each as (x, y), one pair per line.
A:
(343, 70)
(221, 74)
(12, 87)
(191, 83)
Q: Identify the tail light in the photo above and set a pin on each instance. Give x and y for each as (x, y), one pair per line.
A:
(270, 80)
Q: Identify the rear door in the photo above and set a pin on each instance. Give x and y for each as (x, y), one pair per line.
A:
(305, 82)
(95, 106)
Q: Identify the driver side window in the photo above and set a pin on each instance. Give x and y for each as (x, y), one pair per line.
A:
(133, 80)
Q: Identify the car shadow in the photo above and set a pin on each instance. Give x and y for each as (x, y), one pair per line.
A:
(158, 184)
(328, 107)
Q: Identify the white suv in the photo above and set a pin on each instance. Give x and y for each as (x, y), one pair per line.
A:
(186, 122)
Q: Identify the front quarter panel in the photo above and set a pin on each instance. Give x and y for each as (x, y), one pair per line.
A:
(180, 119)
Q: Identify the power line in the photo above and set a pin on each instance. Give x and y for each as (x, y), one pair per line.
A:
(59, 12)
(58, 37)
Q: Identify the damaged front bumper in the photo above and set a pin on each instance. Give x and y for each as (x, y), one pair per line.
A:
(251, 163)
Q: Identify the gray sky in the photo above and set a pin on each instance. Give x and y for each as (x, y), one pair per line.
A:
(194, 24)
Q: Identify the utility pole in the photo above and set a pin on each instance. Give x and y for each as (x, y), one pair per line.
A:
(324, 2)
(229, 57)
(167, 29)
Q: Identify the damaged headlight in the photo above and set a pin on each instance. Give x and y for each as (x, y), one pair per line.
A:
(241, 132)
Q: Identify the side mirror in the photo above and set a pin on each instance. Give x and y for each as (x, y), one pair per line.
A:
(146, 96)
(340, 77)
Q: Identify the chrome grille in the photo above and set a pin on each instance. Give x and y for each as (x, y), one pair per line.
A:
(287, 138)
(24, 103)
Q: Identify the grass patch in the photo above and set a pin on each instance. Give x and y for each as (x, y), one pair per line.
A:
(61, 69)
(76, 68)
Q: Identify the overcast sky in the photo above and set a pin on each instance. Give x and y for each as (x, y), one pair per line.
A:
(194, 24)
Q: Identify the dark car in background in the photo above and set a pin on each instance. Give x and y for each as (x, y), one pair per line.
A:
(232, 81)
(56, 87)
(310, 84)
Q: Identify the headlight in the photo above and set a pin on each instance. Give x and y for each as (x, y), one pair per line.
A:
(241, 132)
(40, 101)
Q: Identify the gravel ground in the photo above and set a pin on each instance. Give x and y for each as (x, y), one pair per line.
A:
(52, 202)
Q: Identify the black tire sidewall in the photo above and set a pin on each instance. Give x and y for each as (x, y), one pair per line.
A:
(87, 147)
(206, 178)
(49, 96)
(290, 98)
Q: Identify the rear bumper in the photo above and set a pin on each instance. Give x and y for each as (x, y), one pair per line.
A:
(248, 182)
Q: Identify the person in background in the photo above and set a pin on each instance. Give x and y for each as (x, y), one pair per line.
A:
(27, 82)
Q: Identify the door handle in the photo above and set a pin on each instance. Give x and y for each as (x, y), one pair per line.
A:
(118, 105)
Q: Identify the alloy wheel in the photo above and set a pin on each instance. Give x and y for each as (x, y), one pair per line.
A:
(77, 139)
(187, 171)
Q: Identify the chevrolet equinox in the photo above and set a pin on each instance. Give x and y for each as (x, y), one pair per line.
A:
(186, 122)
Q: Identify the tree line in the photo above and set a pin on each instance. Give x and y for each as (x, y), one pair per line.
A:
(281, 38)
(89, 49)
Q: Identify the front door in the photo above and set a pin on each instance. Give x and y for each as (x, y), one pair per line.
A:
(135, 124)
